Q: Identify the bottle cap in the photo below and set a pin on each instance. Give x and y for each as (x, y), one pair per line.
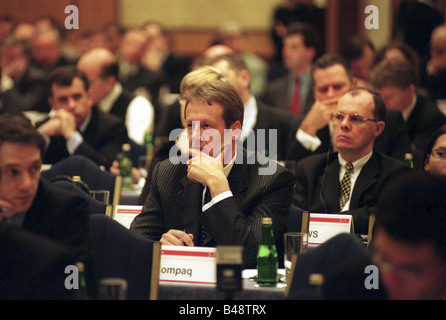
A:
(76, 179)
(80, 266)
(408, 156)
(126, 147)
(267, 221)
(316, 279)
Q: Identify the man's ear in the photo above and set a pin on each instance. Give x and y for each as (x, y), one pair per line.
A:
(380, 125)
(236, 128)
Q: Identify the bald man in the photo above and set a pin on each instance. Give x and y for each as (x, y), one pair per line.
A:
(101, 68)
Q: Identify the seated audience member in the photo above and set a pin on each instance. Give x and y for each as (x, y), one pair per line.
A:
(31, 203)
(292, 92)
(435, 80)
(231, 34)
(158, 56)
(397, 49)
(74, 126)
(33, 266)
(241, 191)
(175, 112)
(434, 160)
(360, 53)
(349, 181)
(132, 74)
(409, 240)
(261, 122)
(396, 81)
(101, 68)
(332, 77)
(22, 84)
(47, 50)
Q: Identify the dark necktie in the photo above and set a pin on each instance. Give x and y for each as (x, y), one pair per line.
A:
(204, 237)
(295, 102)
(344, 193)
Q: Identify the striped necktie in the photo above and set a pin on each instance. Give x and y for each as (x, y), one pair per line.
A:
(344, 193)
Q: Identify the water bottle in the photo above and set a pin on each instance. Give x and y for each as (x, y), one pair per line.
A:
(267, 260)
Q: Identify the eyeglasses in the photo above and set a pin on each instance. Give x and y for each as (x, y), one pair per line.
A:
(439, 154)
(355, 119)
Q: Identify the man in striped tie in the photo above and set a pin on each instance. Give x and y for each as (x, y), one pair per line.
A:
(349, 180)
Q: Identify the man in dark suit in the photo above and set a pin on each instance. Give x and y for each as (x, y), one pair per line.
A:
(75, 126)
(22, 84)
(261, 122)
(396, 81)
(28, 202)
(132, 74)
(241, 190)
(292, 92)
(101, 68)
(357, 120)
(332, 77)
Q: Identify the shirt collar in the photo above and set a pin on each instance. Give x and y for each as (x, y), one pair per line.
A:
(107, 103)
(358, 164)
(249, 117)
(406, 113)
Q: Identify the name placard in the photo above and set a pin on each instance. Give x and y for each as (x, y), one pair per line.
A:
(125, 214)
(326, 226)
(184, 264)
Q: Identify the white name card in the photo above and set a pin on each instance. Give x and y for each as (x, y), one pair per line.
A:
(326, 226)
(184, 264)
(125, 214)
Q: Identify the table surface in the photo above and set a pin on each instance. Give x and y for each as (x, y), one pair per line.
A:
(250, 291)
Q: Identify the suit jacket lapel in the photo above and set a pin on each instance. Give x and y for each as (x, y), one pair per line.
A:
(330, 185)
(367, 177)
(190, 194)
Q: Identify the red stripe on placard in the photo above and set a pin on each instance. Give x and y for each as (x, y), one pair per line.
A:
(188, 253)
(332, 220)
(185, 281)
(128, 211)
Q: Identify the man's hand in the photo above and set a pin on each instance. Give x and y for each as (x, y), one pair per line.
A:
(208, 171)
(319, 115)
(7, 209)
(177, 238)
(62, 123)
(67, 123)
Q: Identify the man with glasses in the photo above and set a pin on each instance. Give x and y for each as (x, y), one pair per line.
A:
(332, 77)
(349, 181)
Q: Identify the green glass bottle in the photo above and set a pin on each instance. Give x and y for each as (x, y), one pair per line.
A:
(316, 281)
(267, 261)
(408, 158)
(148, 142)
(76, 180)
(83, 291)
(125, 167)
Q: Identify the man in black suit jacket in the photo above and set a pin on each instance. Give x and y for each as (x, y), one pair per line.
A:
(75, 126)
(261, 122)
(242, 190)
(22, 84)
(28, 202)
(318, 184)
(332, 77)
(395, 80)
(101, 68)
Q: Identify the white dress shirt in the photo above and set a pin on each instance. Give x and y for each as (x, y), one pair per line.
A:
(139, 117)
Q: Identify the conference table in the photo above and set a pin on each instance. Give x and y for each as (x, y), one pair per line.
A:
(196, 291)
(250, 290)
